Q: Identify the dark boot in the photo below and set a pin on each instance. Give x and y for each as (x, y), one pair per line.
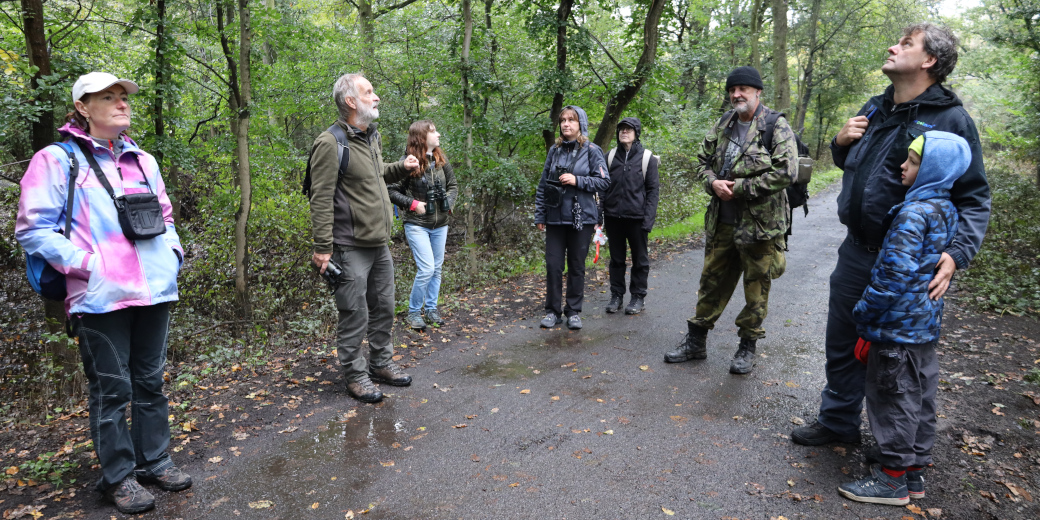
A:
(693, 346)
(615, 303)
(744, 359)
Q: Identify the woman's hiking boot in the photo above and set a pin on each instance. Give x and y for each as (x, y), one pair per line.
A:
(416, 322)
(744, 359)
(129, 497)
(434, 317)
(615, 303)
(693, 346)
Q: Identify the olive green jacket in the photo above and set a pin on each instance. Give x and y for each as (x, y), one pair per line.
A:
(356, 211)
(759, 177)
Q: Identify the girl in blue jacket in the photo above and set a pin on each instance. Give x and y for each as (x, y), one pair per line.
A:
(902, 323)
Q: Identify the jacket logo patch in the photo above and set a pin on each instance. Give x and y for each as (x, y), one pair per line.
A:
(922, 123)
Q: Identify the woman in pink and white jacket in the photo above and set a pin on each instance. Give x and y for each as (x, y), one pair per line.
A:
(118, 289)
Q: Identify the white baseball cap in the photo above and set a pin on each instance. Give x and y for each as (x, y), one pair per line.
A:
(98, 81)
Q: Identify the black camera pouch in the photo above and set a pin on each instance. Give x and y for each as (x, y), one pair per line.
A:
(140, 214)
(553, 194)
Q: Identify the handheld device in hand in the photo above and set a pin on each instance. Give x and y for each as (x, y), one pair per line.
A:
(332, 274)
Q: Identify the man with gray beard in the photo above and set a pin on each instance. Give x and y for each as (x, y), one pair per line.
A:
(745, 170)
(351, 215)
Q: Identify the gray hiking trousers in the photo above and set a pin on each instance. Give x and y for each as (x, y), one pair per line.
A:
(365, 300)
(901, 384)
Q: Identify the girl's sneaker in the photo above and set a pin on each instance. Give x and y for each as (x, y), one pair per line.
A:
(434, 317)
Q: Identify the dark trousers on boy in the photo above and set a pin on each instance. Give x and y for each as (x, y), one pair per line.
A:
(576, 243)
(623, 233)
(901, 384)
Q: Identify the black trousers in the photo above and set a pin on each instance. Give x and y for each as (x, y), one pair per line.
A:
(561, 240)
(619, 232)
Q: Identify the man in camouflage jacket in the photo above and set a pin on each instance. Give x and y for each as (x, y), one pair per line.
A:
(746, 219)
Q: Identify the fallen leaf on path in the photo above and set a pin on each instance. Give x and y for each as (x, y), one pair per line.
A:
(240, 436)
(462, 425)
(387, 464)
(261, 504)
(644, 368)
(215, 460)
(790, 483)
(797, 420)
(667, 511)
(914, 509)
(1019, 491)
(314, 505)
(839, 450)
(555, 398)
(11, 470)
(525, 391)
(474, 458)
(791, 384)
(934, 512)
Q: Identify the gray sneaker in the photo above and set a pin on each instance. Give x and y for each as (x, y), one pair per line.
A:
(415, 321)
(551, 320)
(434, 318)
(574, 322)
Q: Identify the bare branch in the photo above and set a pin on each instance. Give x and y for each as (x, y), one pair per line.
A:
(385, 10)
(601, 46)
(216, 112)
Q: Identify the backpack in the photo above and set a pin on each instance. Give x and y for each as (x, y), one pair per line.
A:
(43, 278)
(343, 152)
(647, 154)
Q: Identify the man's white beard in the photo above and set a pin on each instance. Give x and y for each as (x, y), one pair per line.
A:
(742, 107)
(366, 114)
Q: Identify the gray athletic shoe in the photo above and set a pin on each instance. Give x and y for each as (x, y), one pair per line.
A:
(574, 322)
(415, 321)
(434, 317)
(551, 320)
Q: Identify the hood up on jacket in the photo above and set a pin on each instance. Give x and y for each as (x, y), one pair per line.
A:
(632, 122)
(944, 159)
(583, 120)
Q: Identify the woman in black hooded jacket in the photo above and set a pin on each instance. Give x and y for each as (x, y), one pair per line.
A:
(630, 208)
(565, 208)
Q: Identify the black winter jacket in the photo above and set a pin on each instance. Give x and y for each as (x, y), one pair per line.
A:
(407, 190)
(591, 171)
(871, 185)
(629, 194)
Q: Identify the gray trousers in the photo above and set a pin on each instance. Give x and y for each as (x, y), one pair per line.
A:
(901, 384)
(365, 300)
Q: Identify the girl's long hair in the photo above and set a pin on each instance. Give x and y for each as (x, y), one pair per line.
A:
(581, 137)
(417, 147)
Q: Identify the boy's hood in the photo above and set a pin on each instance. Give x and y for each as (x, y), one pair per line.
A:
(583, 120)
(944, 159)
(632, 122)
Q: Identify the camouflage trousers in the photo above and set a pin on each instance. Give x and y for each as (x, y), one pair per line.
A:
(724, 263)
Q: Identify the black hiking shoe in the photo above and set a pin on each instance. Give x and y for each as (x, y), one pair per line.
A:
(817, 434)
(744, 359)
(693, 346)
(615, 303)
(170, 478)
(635, 306)
(129, 497)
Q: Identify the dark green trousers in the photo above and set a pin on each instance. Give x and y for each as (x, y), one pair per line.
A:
(724, 263)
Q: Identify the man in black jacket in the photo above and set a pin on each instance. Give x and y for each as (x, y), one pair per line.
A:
(870, 148)
(629, 209)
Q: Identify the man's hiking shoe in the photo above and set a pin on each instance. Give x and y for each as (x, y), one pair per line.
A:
(551, 320)
(914, 478)
(615, 303)
(693, 346)
(434, 318)
(744, 359)
(170, 478)
(364, 390)
(129, 497)
(390, 374)
(817, 434)
(574, 322)
(879, 488)
(635, 306)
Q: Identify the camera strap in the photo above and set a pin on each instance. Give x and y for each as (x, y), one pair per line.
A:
(102, 177)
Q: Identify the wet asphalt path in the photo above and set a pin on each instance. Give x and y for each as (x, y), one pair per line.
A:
(561, 424)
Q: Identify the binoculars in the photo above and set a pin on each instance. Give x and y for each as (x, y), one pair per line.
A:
(554, 175)
(332, 274)
(437, 198)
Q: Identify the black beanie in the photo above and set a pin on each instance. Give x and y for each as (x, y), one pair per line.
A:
(744, 76)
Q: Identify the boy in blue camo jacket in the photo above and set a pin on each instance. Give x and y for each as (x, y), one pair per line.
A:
(901, 322)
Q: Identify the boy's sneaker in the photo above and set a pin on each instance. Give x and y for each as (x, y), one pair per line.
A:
(434, 317)
(551, 320)
(170, 478)
(129, 497)
(574, 322)
(878, 488)
(914, 478)
(615, 303)
(415, 321)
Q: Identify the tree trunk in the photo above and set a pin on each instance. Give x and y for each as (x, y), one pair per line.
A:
(756, 34)
(807, 78)
(365, 19)
(644, 67)
(467, 122)
(242, 154)
(781, 81)
(39, 56)
(562, 14)
(268, 59)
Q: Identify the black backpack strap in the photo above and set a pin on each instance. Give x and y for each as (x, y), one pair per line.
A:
(770, 129)
(342, 151)
(73, 173)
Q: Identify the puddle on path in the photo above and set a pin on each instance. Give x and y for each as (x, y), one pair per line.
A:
(520, 361)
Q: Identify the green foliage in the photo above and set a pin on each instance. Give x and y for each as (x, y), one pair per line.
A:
(1005, 275)
(1033, 376)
